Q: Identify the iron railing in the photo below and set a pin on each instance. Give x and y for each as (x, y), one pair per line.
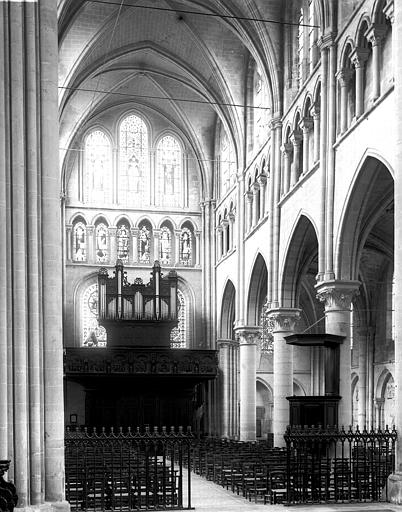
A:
(131, 470)
(337, 465)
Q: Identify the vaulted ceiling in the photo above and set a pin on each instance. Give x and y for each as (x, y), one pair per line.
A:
(181, 58)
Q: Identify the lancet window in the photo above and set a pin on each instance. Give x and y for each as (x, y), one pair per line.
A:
(144, 244)
(134, 161)
(169, 171)
(227, 163)
(186, 247)
(165, 246)
(102, 243)
(97, 168)
(79, 242)
(123, 241)
(93, 334)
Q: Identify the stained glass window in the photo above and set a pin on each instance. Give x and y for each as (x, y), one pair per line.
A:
(134, 162)
(79, 242)
(102, 243)
(227, 164)
(93, 334)
(179, 333)
(165, 246)
(267, 340)
(169, 171)
(186, 247)
(123, 242)
(97, 168)
(144, 245)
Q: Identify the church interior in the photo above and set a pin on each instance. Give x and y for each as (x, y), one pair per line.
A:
(199, 206)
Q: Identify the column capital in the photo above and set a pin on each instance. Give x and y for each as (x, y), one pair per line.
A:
(286, 148)
(344, 75)
(283, 319)
(262, 180)
(389, 11)
(359, 56)
(296, 137)
(134, 231)
(225, 343)
(231, 217)
(249, 196)
(375, 33)
(219, 228)
(337, 295)
(248, 335)
(315, 110)
(255, 187)
(225, 223)
(326, 41)
(90, 229)
(275, 123)
(112, 230)
(306, 124)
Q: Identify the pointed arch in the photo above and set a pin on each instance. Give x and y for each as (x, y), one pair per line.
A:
(257, 291)
(228, 312)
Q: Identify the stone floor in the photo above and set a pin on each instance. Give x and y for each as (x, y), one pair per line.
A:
(209, 497)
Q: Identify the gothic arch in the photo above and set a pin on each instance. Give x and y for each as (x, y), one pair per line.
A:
(257, 290)
(228, 312)
(300, 262)
(369, 200)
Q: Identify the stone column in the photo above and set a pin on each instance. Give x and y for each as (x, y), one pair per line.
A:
(248, 338)
(231, 218)
(315, 112)
(337, 297)
(197, 236)
(69, 231)
(344, 76)
(223, 347)
(249, 212)
(362, 383)
(90, 244)
(395, 481)
(375, 35)
(277, 124)
(306, 125)
(177, 234)
(287, 152)
(359, 57)
(225, 236)
(112, 245)
(134, 245)
(51, 259)
(282, 323)
(296, 139)
(262, 182)
(156, 234)
(219, 245)
(256, 204)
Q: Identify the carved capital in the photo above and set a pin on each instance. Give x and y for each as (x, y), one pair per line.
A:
(275, 123)
(337, 295)
(225, 343)
(296, 137)
(315, 110)
(306, 124)
(359, 56)
(256, 187)
(326, 41)
(389, 11)
(90, 230)
(112, 231)
(375, 33)
(283, 319)
(248, 335)
(344, 75)
(286, 148)
(249, 196)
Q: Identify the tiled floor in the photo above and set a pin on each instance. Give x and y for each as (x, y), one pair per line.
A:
(209, 497)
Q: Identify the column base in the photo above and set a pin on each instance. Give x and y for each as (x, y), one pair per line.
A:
(395, 488)
(58, 506)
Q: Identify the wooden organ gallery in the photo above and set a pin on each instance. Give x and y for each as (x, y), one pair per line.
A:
(138, 379)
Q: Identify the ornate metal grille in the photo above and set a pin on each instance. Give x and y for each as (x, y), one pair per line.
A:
(334, 465)
(133, 470)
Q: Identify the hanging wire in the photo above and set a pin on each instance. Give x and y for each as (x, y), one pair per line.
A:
(166, 98)
(210, 14)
